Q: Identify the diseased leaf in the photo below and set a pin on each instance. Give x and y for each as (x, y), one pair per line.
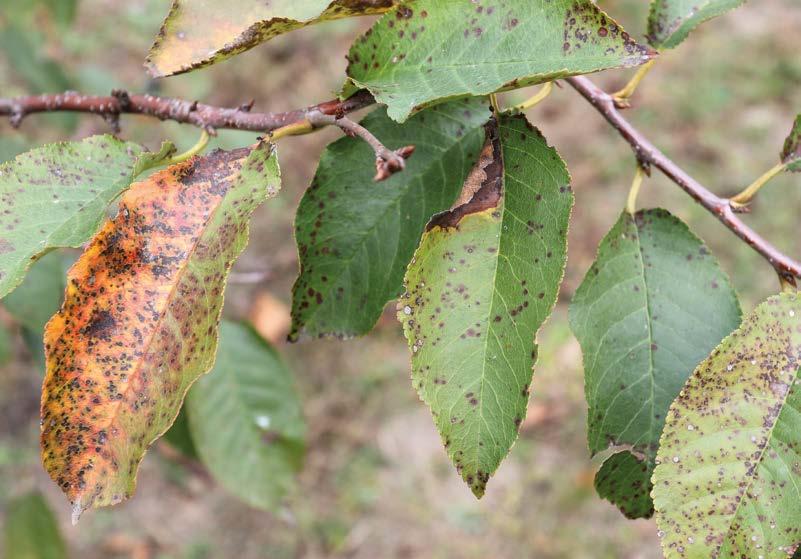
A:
(670, 21)
(428, 50)
(31, 531)
(482, 282)
(56, 196)
(727, 479)
(651, 307)
(791, 152)
(246, 420)
(139, 320)
(198, 33)
(356, 236)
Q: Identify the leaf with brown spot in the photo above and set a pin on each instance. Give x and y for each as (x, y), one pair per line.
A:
(56, 196)
(198, 33)
(653, 305)
(728, 478)
(483, 280)
(427, 51)
(139, 320)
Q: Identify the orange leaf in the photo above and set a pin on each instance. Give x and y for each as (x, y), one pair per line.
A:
(139, 321)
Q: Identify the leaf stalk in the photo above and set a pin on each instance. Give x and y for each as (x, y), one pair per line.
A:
(536, 98)
(622, 96)
(751, 190)
(201, 144)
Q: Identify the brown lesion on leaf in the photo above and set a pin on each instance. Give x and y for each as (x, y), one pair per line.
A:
(483, 188)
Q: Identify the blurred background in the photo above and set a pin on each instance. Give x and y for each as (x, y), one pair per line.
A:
(376, 481)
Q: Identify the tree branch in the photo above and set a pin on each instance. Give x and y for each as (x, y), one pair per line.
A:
(648, 154)
(197, 114)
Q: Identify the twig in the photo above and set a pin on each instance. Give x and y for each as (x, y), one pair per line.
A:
(648, 154)
(387, 162)
(197, 114)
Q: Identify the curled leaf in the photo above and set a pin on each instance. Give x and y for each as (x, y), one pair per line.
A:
(198, 33)
(139, 320)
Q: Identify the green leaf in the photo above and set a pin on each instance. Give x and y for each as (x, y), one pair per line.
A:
(791, 152)
(651, 307)
(56, 196)
(246, 420)
(728, 480)
(198, 33)
(429, 50)
(482, 282)
(139, 321)
(670, 21)
(39, 295)
(356, 236)
(31, 531)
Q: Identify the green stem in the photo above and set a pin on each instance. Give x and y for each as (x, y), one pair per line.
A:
(201, 144)
(631, 203)
(622, 96)
(536, 98)
(746, 195)
(294, 129)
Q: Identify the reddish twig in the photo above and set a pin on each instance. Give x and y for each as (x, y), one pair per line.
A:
(648, 154)
(197, 114)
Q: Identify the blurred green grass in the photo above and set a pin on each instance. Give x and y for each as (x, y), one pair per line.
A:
(377, 482)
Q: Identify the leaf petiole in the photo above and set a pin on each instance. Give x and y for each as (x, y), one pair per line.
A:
(546, 89)
(201, 144)
(294, 129)
(631, 202)
(622, 96)
(751, 190)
